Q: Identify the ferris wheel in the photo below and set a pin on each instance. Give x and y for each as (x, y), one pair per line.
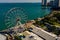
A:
(14, 16)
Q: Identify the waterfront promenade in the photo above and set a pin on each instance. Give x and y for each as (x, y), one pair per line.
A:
(37, 33)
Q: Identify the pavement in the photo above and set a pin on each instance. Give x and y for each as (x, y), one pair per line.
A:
(32, 36)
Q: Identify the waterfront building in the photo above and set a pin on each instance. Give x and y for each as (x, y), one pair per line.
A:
(51, 3)
(55, 3)
(44, 2)
(59, 3)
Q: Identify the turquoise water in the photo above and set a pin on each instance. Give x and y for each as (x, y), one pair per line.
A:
(34, 10)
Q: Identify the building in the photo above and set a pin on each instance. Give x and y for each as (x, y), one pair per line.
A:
(51, 3)
(55, 3)
(2, 37)
(44, 2)
(59, 3)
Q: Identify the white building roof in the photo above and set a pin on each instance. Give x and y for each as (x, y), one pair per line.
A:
(2, 37)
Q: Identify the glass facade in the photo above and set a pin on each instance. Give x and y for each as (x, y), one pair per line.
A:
(44, 2)
(59, 3)
(54, 3)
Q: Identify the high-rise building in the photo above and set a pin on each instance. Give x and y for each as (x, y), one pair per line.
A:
(51, 3)
(59, 3)
(55, 3)
(44, 2)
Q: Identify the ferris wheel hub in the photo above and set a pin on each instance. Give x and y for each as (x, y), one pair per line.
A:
(18, 19)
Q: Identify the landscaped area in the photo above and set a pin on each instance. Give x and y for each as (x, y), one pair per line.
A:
(50, 23)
